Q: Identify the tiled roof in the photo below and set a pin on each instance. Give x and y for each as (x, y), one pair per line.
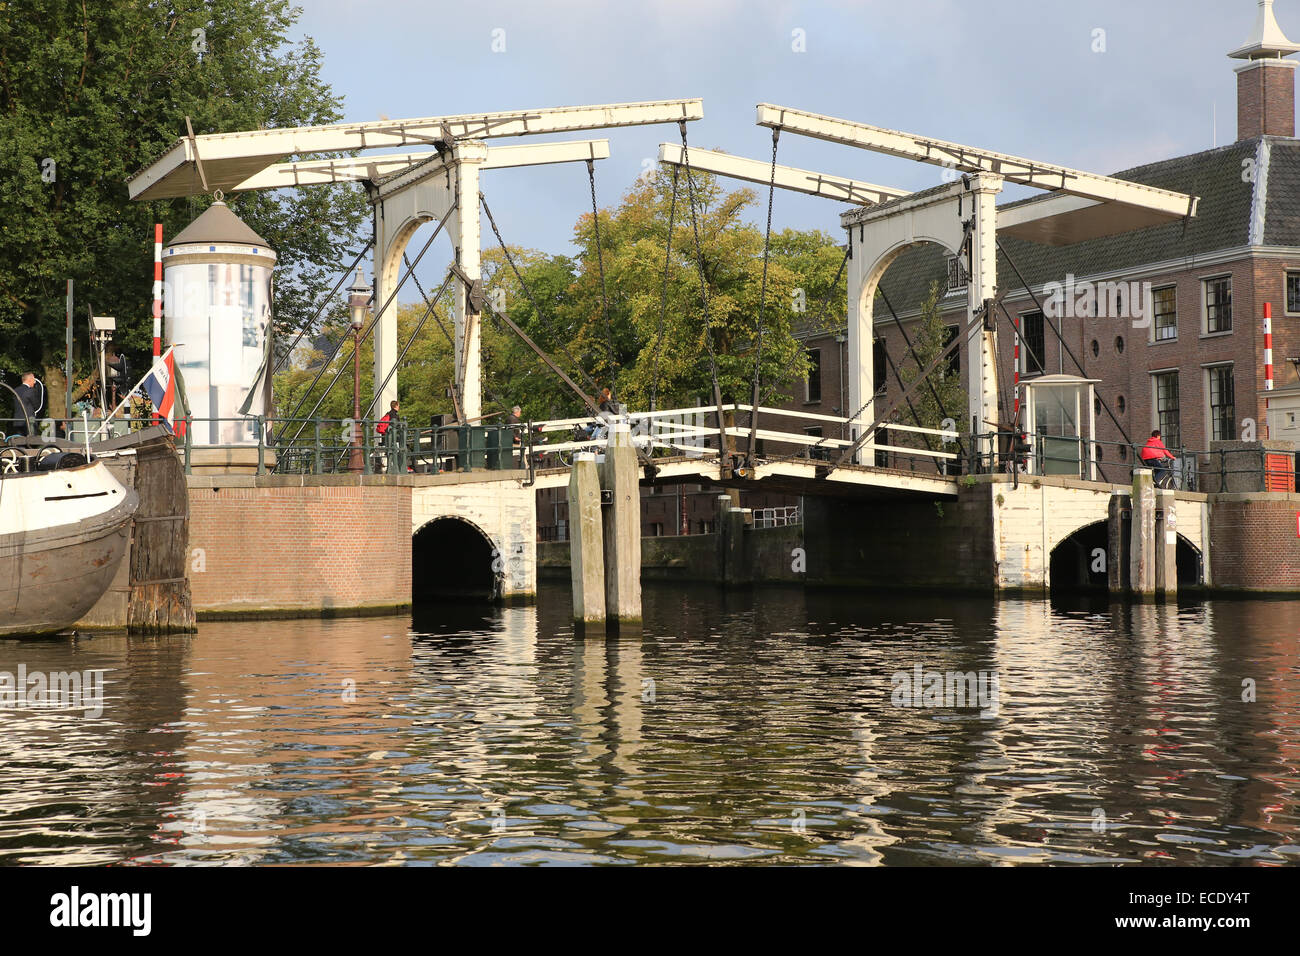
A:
(1282, 213)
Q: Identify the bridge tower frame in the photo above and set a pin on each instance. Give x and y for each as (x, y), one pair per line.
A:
(962, 218)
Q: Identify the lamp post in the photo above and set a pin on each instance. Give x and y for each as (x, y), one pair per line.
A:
(358, 299)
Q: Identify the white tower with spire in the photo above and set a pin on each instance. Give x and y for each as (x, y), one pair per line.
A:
(1266, 41)
(1266, 82)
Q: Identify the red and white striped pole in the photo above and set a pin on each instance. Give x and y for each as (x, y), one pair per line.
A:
(157, 290)
(1015, 369)
(1268, 346)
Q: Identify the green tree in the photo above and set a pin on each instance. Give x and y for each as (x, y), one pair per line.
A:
(92, 92)
(929, 407)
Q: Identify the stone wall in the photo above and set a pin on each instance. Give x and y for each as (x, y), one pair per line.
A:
(695, 557)
(901, 542)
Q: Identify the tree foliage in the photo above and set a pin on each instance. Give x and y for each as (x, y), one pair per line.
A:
(947, 396)
(92, 92)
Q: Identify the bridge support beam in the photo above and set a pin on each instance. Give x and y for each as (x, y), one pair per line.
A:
(586, 542)
(962, 218)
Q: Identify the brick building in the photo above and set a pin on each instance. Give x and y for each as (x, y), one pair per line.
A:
(1168, 318)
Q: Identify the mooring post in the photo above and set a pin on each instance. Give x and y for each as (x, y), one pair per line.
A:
(1166, 544)
(622, 527)
(1142, 547)
(586, 541)
(1116, 546)
(733, 566)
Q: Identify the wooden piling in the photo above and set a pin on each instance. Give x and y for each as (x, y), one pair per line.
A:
(1116, 546)
(1142, 547)
(586, 542)
(622, 528)
(1166, 545)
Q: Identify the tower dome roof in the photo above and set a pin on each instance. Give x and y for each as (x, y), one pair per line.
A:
(218, 224)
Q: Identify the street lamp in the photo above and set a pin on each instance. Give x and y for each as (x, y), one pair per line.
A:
(358, 299)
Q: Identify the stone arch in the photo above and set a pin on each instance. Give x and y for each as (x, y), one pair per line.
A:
(1189, 562)
(1071, 561)
(453, 559)
(866, 318)
(1071, 564)
(871, 282)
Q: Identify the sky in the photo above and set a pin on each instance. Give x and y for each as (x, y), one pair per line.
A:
(1100, 85)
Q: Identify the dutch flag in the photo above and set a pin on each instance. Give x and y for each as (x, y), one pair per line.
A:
(160, 386)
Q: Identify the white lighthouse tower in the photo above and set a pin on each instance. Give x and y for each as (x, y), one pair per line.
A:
(217, 275)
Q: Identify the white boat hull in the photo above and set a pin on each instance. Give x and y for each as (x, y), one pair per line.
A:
(62, 537)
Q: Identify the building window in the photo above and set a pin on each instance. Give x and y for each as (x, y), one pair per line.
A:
(1096, 348)
(1167, 414)
(954, 360)
(1032, 344)
(1121, 404)
(1223, 424)
(956, 280)
(1293, 293)
(1218, 305)
(1119, 344)
(814, 383)
(1165, 310)
(878, 363)
(657, 529)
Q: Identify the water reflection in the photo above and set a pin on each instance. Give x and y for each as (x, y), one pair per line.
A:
(736, 728)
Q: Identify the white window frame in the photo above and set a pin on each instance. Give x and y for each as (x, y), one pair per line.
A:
(1024, 349)
(1205, 304)
(807, 381)
(1155, 402)
(1286, 299)
(1155, 339)
(1206, 370)
(954, 263)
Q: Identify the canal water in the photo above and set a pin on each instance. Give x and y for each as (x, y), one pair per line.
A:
(754, 728)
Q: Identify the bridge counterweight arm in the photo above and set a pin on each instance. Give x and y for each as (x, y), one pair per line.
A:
(1016, 169)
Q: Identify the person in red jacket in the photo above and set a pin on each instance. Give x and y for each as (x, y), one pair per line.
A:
(394, 413)
(1156, 455)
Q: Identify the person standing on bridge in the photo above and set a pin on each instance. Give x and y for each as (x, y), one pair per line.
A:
(514, 420)
(386, 430)
(389, 419)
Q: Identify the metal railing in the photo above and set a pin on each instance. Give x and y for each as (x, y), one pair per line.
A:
(319, 446)
(1114, 462)
(778, 517)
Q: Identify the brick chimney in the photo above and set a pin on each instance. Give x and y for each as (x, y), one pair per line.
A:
(1266, 82)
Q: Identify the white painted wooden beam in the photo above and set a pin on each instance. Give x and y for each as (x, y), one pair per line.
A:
(315, 172)
(231, 158)
(787, 177)
(1016, 169)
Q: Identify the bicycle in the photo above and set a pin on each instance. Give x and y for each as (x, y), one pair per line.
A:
(1164, 478)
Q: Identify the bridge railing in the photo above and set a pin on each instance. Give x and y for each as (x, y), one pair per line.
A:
(1113, 462)
(698, 430)
(778, 517)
